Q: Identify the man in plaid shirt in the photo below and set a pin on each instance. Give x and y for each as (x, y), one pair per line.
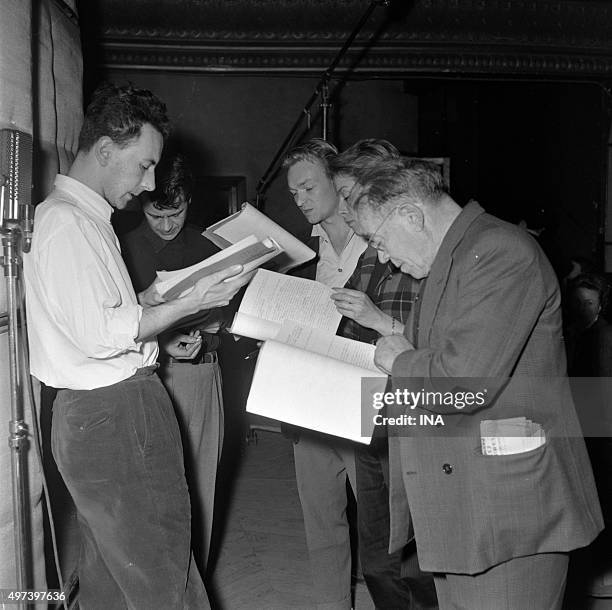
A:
(377, 301)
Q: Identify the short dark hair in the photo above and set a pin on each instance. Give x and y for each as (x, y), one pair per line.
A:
(362, 156)
(173, 183)
(592, 281)
(316, 149)
(119, 112)
(390, 179)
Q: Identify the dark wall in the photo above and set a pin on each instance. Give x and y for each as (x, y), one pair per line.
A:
(232, 125)
(532, 151)
(524, 150)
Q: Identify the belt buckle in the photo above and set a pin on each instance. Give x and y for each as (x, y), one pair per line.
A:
(205, 358)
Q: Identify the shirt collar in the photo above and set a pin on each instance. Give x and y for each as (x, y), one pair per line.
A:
(85, 198)
(319, 231)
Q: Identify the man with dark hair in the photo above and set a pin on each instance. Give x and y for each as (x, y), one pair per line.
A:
(494, 518)
(119, 113)
(163, 242)
(114, 434)
(323, 463)
(377, 301)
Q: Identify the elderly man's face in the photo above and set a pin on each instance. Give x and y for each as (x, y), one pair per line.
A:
(399, 235)
(313, 191)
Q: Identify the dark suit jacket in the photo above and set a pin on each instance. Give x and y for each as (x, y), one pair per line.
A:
(490, 309)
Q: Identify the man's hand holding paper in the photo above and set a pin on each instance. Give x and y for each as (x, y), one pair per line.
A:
(218, 289)
(150, 296)
(358, 306)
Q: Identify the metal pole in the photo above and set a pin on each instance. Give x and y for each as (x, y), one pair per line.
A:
(18, 429)
(323, 82)
(325, 106)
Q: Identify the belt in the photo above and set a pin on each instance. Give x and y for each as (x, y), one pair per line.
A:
(201, 358)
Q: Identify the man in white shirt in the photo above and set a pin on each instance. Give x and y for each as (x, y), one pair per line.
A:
(115, 436)
(323, 463)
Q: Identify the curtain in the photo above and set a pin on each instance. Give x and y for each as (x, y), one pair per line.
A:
(40, 94)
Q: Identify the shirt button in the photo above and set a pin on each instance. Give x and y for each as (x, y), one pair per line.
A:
(447, 468)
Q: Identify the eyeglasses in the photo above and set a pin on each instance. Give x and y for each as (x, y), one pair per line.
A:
(380, 226)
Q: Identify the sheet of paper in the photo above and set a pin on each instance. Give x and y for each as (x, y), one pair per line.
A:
(250, 221)
(276, 297)
(312, 391)
(353, 352)
(255, 328)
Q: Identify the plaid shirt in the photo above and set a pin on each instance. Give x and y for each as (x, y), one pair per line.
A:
(394, 294)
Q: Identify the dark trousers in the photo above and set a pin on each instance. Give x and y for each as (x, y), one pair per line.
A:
(393, 580)
(119, 451)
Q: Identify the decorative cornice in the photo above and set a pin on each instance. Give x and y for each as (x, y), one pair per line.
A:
(309, 60)
(526, 37)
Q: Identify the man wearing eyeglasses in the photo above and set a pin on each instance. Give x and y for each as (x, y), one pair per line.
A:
(493, 522)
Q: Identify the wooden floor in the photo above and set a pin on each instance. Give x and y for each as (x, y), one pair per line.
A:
(263, 561)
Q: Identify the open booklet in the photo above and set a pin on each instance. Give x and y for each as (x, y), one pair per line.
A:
(250, 221)
(250, 252)
(306, 375)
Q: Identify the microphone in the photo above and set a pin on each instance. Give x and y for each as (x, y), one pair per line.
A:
(16, 183)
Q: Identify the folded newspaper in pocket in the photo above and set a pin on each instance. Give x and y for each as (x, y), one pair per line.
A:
(510, 436)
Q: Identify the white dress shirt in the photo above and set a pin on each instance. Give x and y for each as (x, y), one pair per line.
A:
(334, 269)
(83, 315)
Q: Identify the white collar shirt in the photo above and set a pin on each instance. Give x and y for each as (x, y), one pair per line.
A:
(335, 269)
(82, 313)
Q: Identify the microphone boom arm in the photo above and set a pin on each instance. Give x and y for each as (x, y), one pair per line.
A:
(320, 89)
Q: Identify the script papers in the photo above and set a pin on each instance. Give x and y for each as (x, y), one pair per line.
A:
(305, 374)
(250, 253)
(250, 221)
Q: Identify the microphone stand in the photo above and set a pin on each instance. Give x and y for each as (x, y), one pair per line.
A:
(322, 89)
(18, 429)
(16, 228)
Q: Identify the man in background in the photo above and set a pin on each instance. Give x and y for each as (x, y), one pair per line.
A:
(114, 434)
(163, 242)
(377, 301)
(323, 463)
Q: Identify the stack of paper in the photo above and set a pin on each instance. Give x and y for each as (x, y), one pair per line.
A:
(249, 252)
(510, 436)
(250, 221)
(306, 375)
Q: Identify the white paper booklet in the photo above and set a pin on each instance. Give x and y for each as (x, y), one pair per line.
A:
(305, 374)
(273, 298)
(310, 379)
(249, 252)
(250, 221)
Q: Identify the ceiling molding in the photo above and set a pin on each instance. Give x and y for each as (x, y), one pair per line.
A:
(310, 61)
(524, 37)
